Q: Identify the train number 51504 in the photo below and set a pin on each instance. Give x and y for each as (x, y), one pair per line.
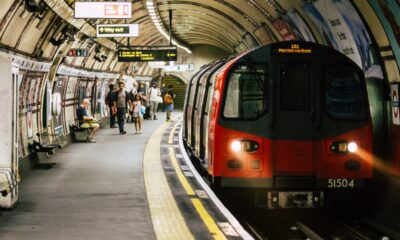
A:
(340, 183)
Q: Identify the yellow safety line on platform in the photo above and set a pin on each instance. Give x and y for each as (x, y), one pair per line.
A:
(171, 134)
(179, 173)
(207, 219)
(205, 216)
(167, 219)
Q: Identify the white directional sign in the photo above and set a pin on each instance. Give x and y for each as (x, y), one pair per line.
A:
(395, 103)
(117, 30)
(179, 68)
(103, 10)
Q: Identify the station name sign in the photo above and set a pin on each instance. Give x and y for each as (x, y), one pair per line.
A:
(78, 52)
(117, 30)
(147, 54)
(293, 49)
(109, 10)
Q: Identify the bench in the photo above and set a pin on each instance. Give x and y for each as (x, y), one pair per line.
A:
(47, 143)
(75, 128)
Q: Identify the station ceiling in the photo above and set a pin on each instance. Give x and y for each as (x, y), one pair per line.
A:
(231, 25)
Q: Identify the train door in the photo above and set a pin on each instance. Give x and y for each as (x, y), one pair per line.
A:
(293, 126)
(186, 105)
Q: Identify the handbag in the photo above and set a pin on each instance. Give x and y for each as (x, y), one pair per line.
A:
(142, 110)
(159, 99)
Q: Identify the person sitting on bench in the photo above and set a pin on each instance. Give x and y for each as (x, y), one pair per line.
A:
(87, 121)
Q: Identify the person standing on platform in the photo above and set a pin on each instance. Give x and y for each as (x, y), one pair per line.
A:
(110, 102)
(121, 102)
(153, 95)
(140, 89)
(136, 108)
(132, 95)
(163, 92)
(169, 102)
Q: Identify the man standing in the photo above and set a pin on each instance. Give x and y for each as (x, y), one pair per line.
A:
(121, 101)
(152, 96)
(110, 103)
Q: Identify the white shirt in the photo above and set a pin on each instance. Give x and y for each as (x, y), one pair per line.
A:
(153, 93)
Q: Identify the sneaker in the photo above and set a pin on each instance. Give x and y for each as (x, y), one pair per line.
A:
(122, 133)
(91, 140)
(136, 132)
(140, 132)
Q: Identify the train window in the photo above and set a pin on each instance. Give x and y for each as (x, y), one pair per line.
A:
(343, 93)
(295, 87)
(246, 96)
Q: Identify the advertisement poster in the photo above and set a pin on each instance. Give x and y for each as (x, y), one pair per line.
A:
(342, 28)
(48, 102)
(29, 105)
(299, 27)
(102, 98)
(284, 30)
(388, 12)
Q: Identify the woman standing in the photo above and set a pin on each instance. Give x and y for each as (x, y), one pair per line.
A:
(169, 102)
(152, 95)
(137, 115)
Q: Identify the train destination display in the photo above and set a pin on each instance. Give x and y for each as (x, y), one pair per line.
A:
(147, 55)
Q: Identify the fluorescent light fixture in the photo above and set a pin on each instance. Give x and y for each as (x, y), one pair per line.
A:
(157, 22)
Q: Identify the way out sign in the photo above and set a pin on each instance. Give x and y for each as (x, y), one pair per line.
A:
(117, 30)
(394, 89)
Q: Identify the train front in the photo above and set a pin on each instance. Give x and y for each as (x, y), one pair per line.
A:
(291, 121)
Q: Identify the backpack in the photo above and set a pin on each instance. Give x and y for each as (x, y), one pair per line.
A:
(168, 99)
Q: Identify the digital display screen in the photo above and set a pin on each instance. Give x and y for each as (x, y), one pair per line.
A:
(147, 55)
(293, 49)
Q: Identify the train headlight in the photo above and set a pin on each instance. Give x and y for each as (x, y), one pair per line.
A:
(244, 145)
(352, 147)
(344, 147)
(236, 146)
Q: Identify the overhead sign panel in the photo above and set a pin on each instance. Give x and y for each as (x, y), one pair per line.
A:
(147, 55)
(179, 68)
(103, 9)
(117, 30)
(78, 52)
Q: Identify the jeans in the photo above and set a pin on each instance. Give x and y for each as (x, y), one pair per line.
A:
(112, 118)
(121, 118)
(153, 109)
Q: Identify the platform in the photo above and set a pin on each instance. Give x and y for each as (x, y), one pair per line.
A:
(122, 187)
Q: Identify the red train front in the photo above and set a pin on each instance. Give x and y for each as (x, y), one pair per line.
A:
(290, 120)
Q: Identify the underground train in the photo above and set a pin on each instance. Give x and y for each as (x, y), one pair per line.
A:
(288, 121)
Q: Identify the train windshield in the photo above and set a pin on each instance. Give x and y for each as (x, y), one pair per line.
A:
(344, 97)
(246, 95)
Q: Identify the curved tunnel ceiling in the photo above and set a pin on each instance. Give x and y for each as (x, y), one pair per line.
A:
(231, 25)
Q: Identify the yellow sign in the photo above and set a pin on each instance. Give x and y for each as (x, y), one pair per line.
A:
(294, 48)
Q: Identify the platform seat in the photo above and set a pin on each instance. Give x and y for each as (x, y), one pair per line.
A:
(76, 128)
(47, 142)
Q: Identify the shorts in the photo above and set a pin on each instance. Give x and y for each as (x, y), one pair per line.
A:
(169, 107)
(89, 125)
